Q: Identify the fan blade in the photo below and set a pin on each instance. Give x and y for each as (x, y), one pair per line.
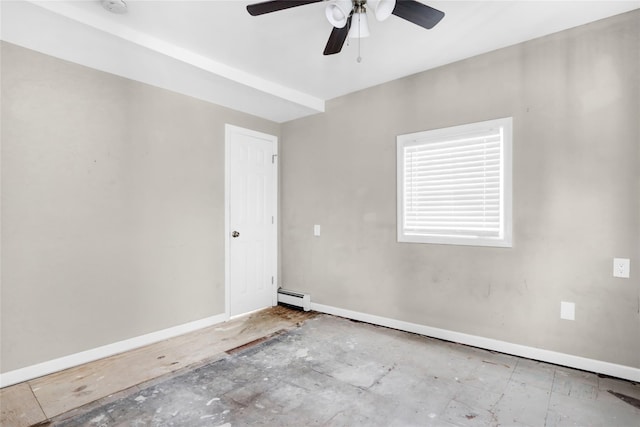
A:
(337, 39)
(276, 5)
(418, 13)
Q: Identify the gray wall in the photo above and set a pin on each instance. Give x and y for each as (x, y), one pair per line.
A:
(112, 207)
(112, 201)
(574, 97)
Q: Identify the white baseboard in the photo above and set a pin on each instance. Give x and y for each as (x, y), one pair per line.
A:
(66, 362)
(591, 365)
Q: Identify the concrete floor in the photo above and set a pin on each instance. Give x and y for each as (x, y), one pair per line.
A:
(332, 371)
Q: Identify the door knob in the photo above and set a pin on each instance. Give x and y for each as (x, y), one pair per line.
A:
(235, 234)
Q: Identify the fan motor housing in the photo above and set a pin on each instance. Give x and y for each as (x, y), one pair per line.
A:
(115, 6)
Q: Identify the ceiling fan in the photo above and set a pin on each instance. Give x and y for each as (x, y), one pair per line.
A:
(349, 17)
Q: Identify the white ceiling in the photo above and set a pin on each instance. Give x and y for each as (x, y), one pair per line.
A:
(272, 65)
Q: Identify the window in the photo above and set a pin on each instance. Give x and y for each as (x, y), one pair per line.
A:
(454, 185)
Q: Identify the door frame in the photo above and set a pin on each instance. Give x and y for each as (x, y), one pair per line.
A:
(229, 131)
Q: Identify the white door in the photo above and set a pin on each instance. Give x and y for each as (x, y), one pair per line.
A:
(251, 220)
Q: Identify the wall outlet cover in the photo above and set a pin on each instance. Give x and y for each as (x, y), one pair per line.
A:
(621, 267)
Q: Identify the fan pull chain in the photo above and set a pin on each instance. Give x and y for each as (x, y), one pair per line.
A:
(359, 59)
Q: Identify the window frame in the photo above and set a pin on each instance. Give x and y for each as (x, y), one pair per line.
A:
(506, 183)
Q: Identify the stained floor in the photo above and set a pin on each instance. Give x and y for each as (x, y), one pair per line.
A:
(52, 396)
(335, 372)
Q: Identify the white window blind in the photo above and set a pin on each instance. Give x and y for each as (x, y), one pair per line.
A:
(452, 185)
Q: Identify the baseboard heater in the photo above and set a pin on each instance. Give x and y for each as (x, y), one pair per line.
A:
(294, 299)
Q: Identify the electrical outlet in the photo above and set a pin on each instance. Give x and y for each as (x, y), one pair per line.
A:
(316, 230)
(567, 310)
(621, 267)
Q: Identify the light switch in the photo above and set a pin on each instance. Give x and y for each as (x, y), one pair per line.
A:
(621, 267)
(567, 310)
(316, 230)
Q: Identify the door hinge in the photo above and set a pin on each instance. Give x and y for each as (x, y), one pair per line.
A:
(272, 280)
(272, 220)
(273, 158)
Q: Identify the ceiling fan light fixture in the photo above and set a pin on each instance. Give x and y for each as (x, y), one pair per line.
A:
(384, 9)
(338, 12)
(359, 26)
(349, 18)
